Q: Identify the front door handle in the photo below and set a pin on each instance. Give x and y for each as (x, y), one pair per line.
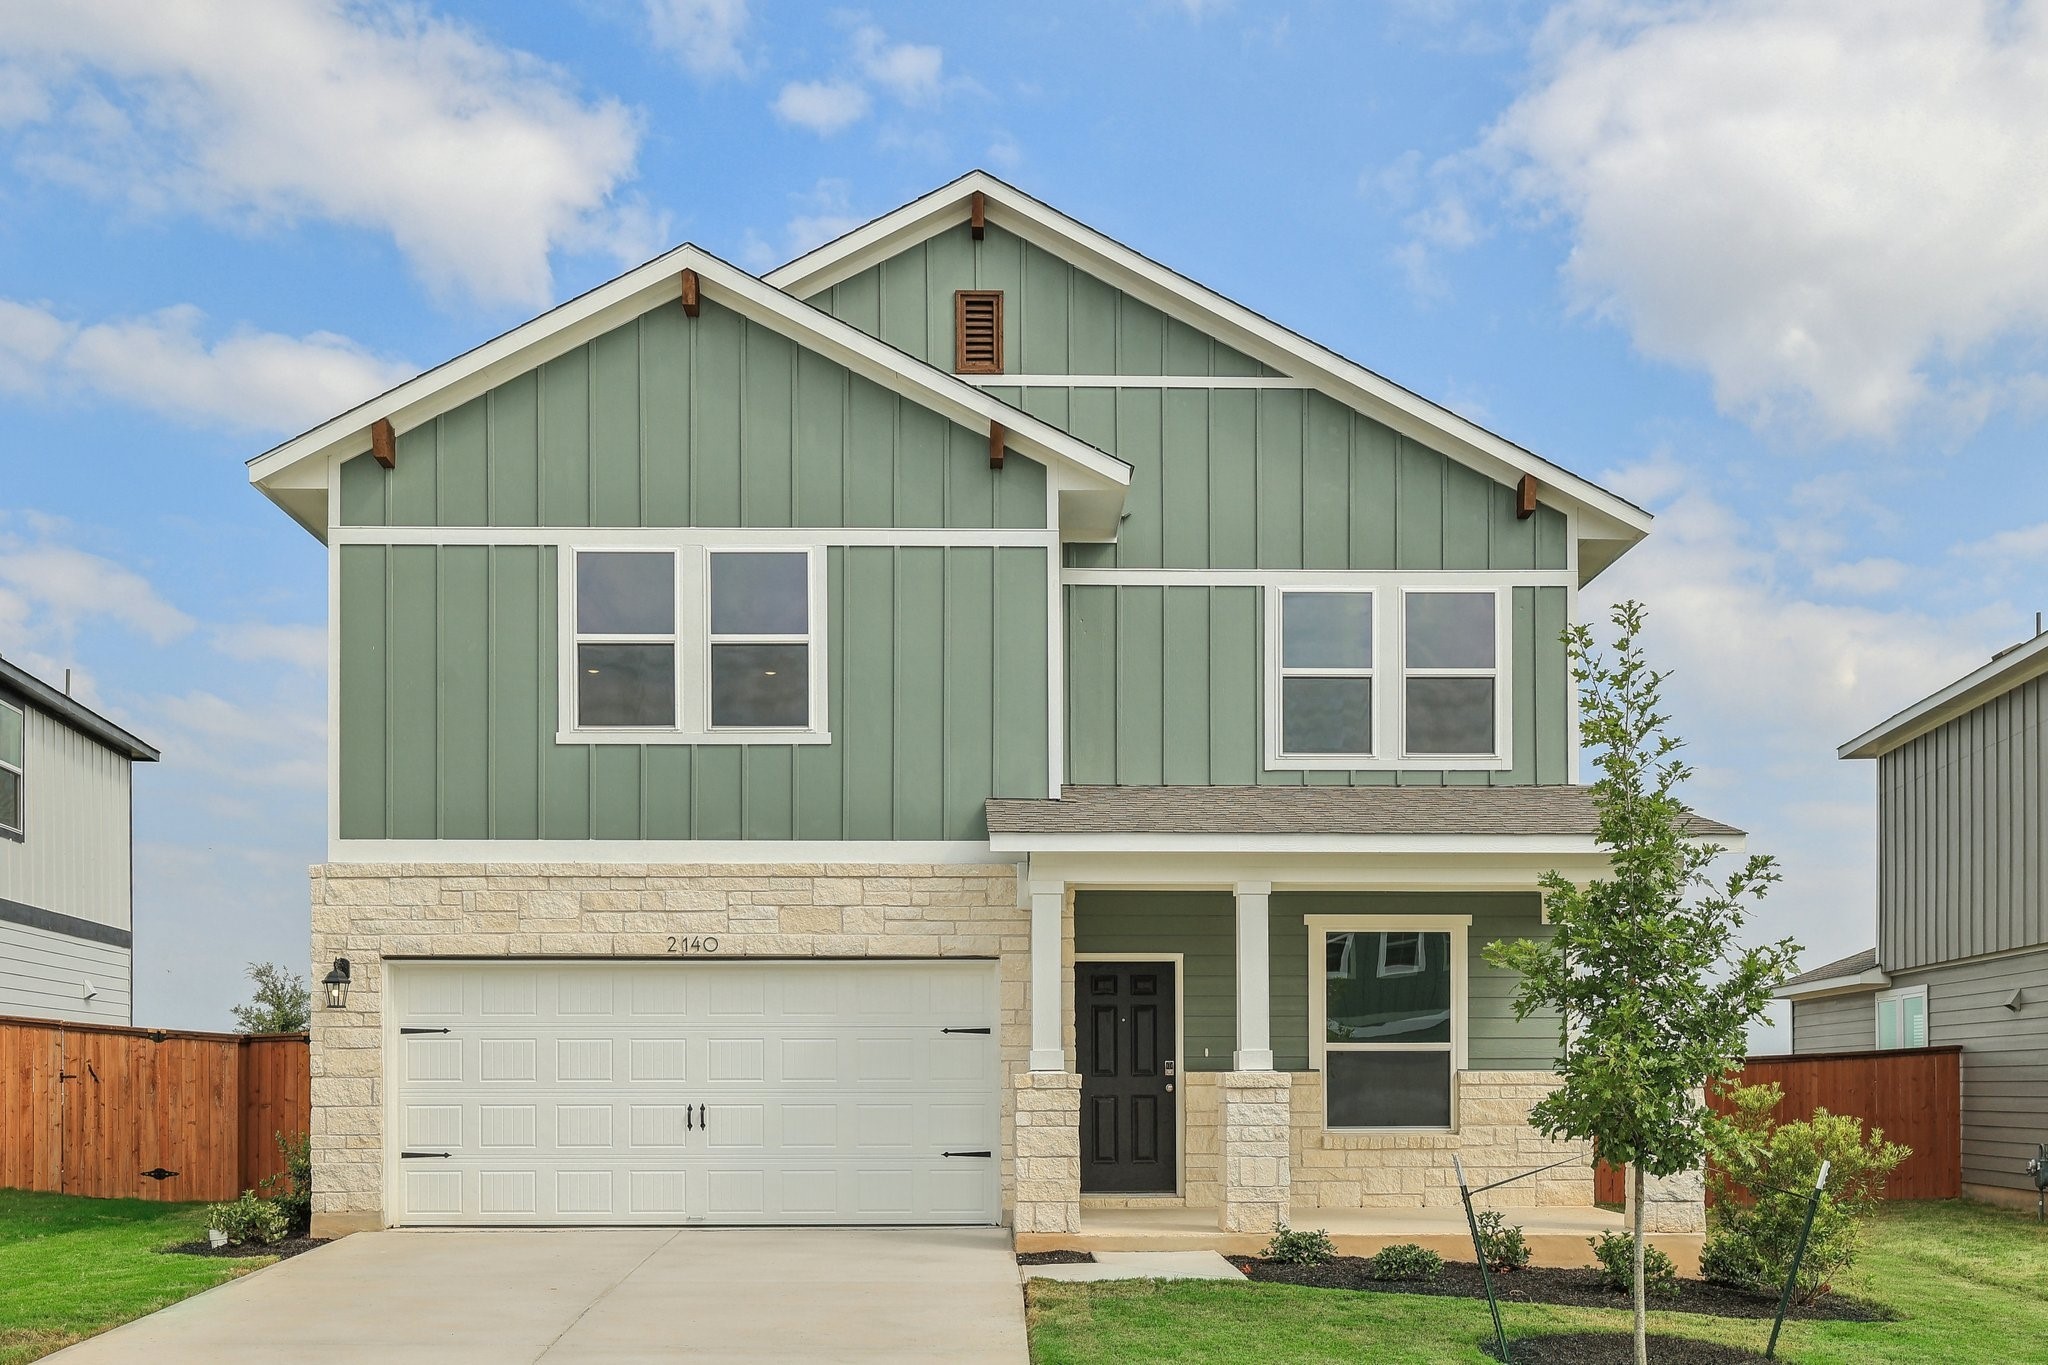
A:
(1169, 1087)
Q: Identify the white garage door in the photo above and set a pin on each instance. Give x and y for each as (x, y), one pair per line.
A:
(694, 1092)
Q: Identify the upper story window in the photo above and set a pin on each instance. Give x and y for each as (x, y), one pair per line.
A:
(11, 745)
(1902, 1017)
(694, 644)
(1384, 678)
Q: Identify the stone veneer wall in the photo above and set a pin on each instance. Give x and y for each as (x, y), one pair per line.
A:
(367, 912)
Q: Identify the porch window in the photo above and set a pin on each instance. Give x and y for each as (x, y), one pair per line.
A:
(1387, 1004)
(11, 743)
(1902, 1017)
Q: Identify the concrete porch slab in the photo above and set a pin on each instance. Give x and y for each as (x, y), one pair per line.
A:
(1557, 1235)
(1141, 1265)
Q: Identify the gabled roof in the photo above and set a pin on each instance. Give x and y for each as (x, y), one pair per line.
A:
(2007, 670)
(1090, 483)
(39, 694)
(1851, 975)
(1607, 524)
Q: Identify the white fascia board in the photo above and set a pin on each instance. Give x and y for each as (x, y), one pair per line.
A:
(1873, 980)
(1071, 463)
(1603, 515)
(1226, 871)
(1282, 845)
(2019, 665)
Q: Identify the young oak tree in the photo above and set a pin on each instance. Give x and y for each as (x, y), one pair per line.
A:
(280, 1004)
(1654, 994)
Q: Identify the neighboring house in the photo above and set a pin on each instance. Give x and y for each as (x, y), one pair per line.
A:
(66, 864)
(1962, 910)
(782, 728)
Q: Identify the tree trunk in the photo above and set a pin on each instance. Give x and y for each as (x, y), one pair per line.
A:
(1636, 1268)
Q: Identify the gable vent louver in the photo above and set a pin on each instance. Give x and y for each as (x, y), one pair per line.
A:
(978, 331)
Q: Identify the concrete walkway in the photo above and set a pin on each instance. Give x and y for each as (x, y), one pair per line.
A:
(603, 1297)
(1141, 1265)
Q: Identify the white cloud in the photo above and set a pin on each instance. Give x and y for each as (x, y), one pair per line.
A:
(267, 745)
(912, 72)
(160, 361)
(824, 107)
(704, 35)
(48, 589)
(2022, 543)
(1826, 205)
(822, 212)
(478, 161)
(300, 646)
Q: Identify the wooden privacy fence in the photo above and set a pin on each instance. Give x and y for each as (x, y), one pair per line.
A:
(113, 1112)
(1914, 1094)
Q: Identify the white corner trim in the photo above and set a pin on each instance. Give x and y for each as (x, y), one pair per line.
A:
(758, 852)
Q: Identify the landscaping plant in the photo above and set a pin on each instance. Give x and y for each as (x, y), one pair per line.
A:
(1408, 1261)
(250, 1220)
(1762, 1175)
(1501, 1243)
(1621, 1271)
(1300, 1246)
(1653, 995)
(292, 1191)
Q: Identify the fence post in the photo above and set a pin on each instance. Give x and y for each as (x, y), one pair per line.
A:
(1798, 1254)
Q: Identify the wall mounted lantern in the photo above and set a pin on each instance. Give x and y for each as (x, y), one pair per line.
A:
(336, 982)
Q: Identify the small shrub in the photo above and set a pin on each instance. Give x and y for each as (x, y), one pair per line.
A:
(1503, 1246)
(1762, 1174)
(1613, 1251)
(1407, 1262)
(249, 1220)
(1300, 1246)
(292, 1191)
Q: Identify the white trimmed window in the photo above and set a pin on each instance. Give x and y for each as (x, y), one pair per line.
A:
(693, 644)
(12, 795)
(1902, 1017)
(1387, 1018)
(1326, 674)
(1452, 698)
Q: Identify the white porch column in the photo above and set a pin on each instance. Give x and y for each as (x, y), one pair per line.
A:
(1254, 980)
(1048, 905)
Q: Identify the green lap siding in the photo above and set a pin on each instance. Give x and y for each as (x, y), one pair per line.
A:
(669, 421)
(1201, 926)
(936, 668)
(1164, 687)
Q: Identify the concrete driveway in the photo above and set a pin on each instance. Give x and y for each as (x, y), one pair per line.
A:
(604, 1295)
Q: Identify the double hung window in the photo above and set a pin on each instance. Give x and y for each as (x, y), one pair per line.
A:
(1902, 1017)
(1451, 662)
(12, 742)
(1386, 1018)
(1326, 673)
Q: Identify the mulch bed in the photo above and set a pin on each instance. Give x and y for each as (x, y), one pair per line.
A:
(1055, 1258)
(291, 1246)
(1573, 1288)
(1618, 1348)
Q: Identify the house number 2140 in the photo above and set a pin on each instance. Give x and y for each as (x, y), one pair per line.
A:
(678, 944)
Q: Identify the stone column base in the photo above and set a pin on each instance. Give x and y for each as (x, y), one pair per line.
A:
(1257, 1170)
(1672, 1203)
(1048, 1176)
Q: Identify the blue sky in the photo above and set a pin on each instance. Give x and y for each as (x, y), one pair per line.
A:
(1779, 271)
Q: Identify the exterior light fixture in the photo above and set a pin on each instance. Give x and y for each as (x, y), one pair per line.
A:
(336, 982)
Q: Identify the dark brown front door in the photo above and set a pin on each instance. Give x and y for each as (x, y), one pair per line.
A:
(1126, 1046)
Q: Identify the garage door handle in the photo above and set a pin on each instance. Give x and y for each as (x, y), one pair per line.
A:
(963, 1030)
(412, 1156)
(967, 1154)
(703, 1119)
(423, 1030)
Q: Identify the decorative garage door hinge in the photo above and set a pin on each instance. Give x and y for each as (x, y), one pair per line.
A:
(966, 1153)
(963, 1030)
(414, 1156)
(423, 1030)
(159, 1173)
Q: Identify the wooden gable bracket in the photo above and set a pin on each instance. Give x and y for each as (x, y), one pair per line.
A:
(690, 303)
(995, 445)
(977, 214)
(1525, 498)
(384, 442)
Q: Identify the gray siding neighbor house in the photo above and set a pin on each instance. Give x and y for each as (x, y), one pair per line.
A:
(1962, 910)
(968, 727)
(66, 880)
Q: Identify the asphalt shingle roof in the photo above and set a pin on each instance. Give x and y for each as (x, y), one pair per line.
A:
(1853, 965)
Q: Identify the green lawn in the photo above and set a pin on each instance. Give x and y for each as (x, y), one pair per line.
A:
(1970, 1284)
(70, 1267)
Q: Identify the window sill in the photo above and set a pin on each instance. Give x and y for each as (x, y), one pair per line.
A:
(701, 738)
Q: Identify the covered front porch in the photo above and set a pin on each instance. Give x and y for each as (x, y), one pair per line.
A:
(1229, 1031)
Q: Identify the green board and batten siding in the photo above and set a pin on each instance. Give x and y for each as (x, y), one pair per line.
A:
(1164, 688)
(937, 679)
(1201, 925)
(670, 421)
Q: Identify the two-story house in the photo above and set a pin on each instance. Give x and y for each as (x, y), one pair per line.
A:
(970, 726)
(1962, 911)
(66, 855)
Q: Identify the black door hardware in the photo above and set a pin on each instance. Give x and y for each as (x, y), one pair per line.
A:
(159, 1173)
(703, 1120)
(963, 1030)
(689, 1122)
(966, 1153)
(413, 1156)
(423, 1030)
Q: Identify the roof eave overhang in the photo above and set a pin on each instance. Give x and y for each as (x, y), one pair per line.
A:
(1090, 484)
(2016, 666)
(1431, 845)
(1606, 525)
(1863, 982)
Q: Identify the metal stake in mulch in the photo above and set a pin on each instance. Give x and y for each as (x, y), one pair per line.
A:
(1798, 1254)
(1500, 1333)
